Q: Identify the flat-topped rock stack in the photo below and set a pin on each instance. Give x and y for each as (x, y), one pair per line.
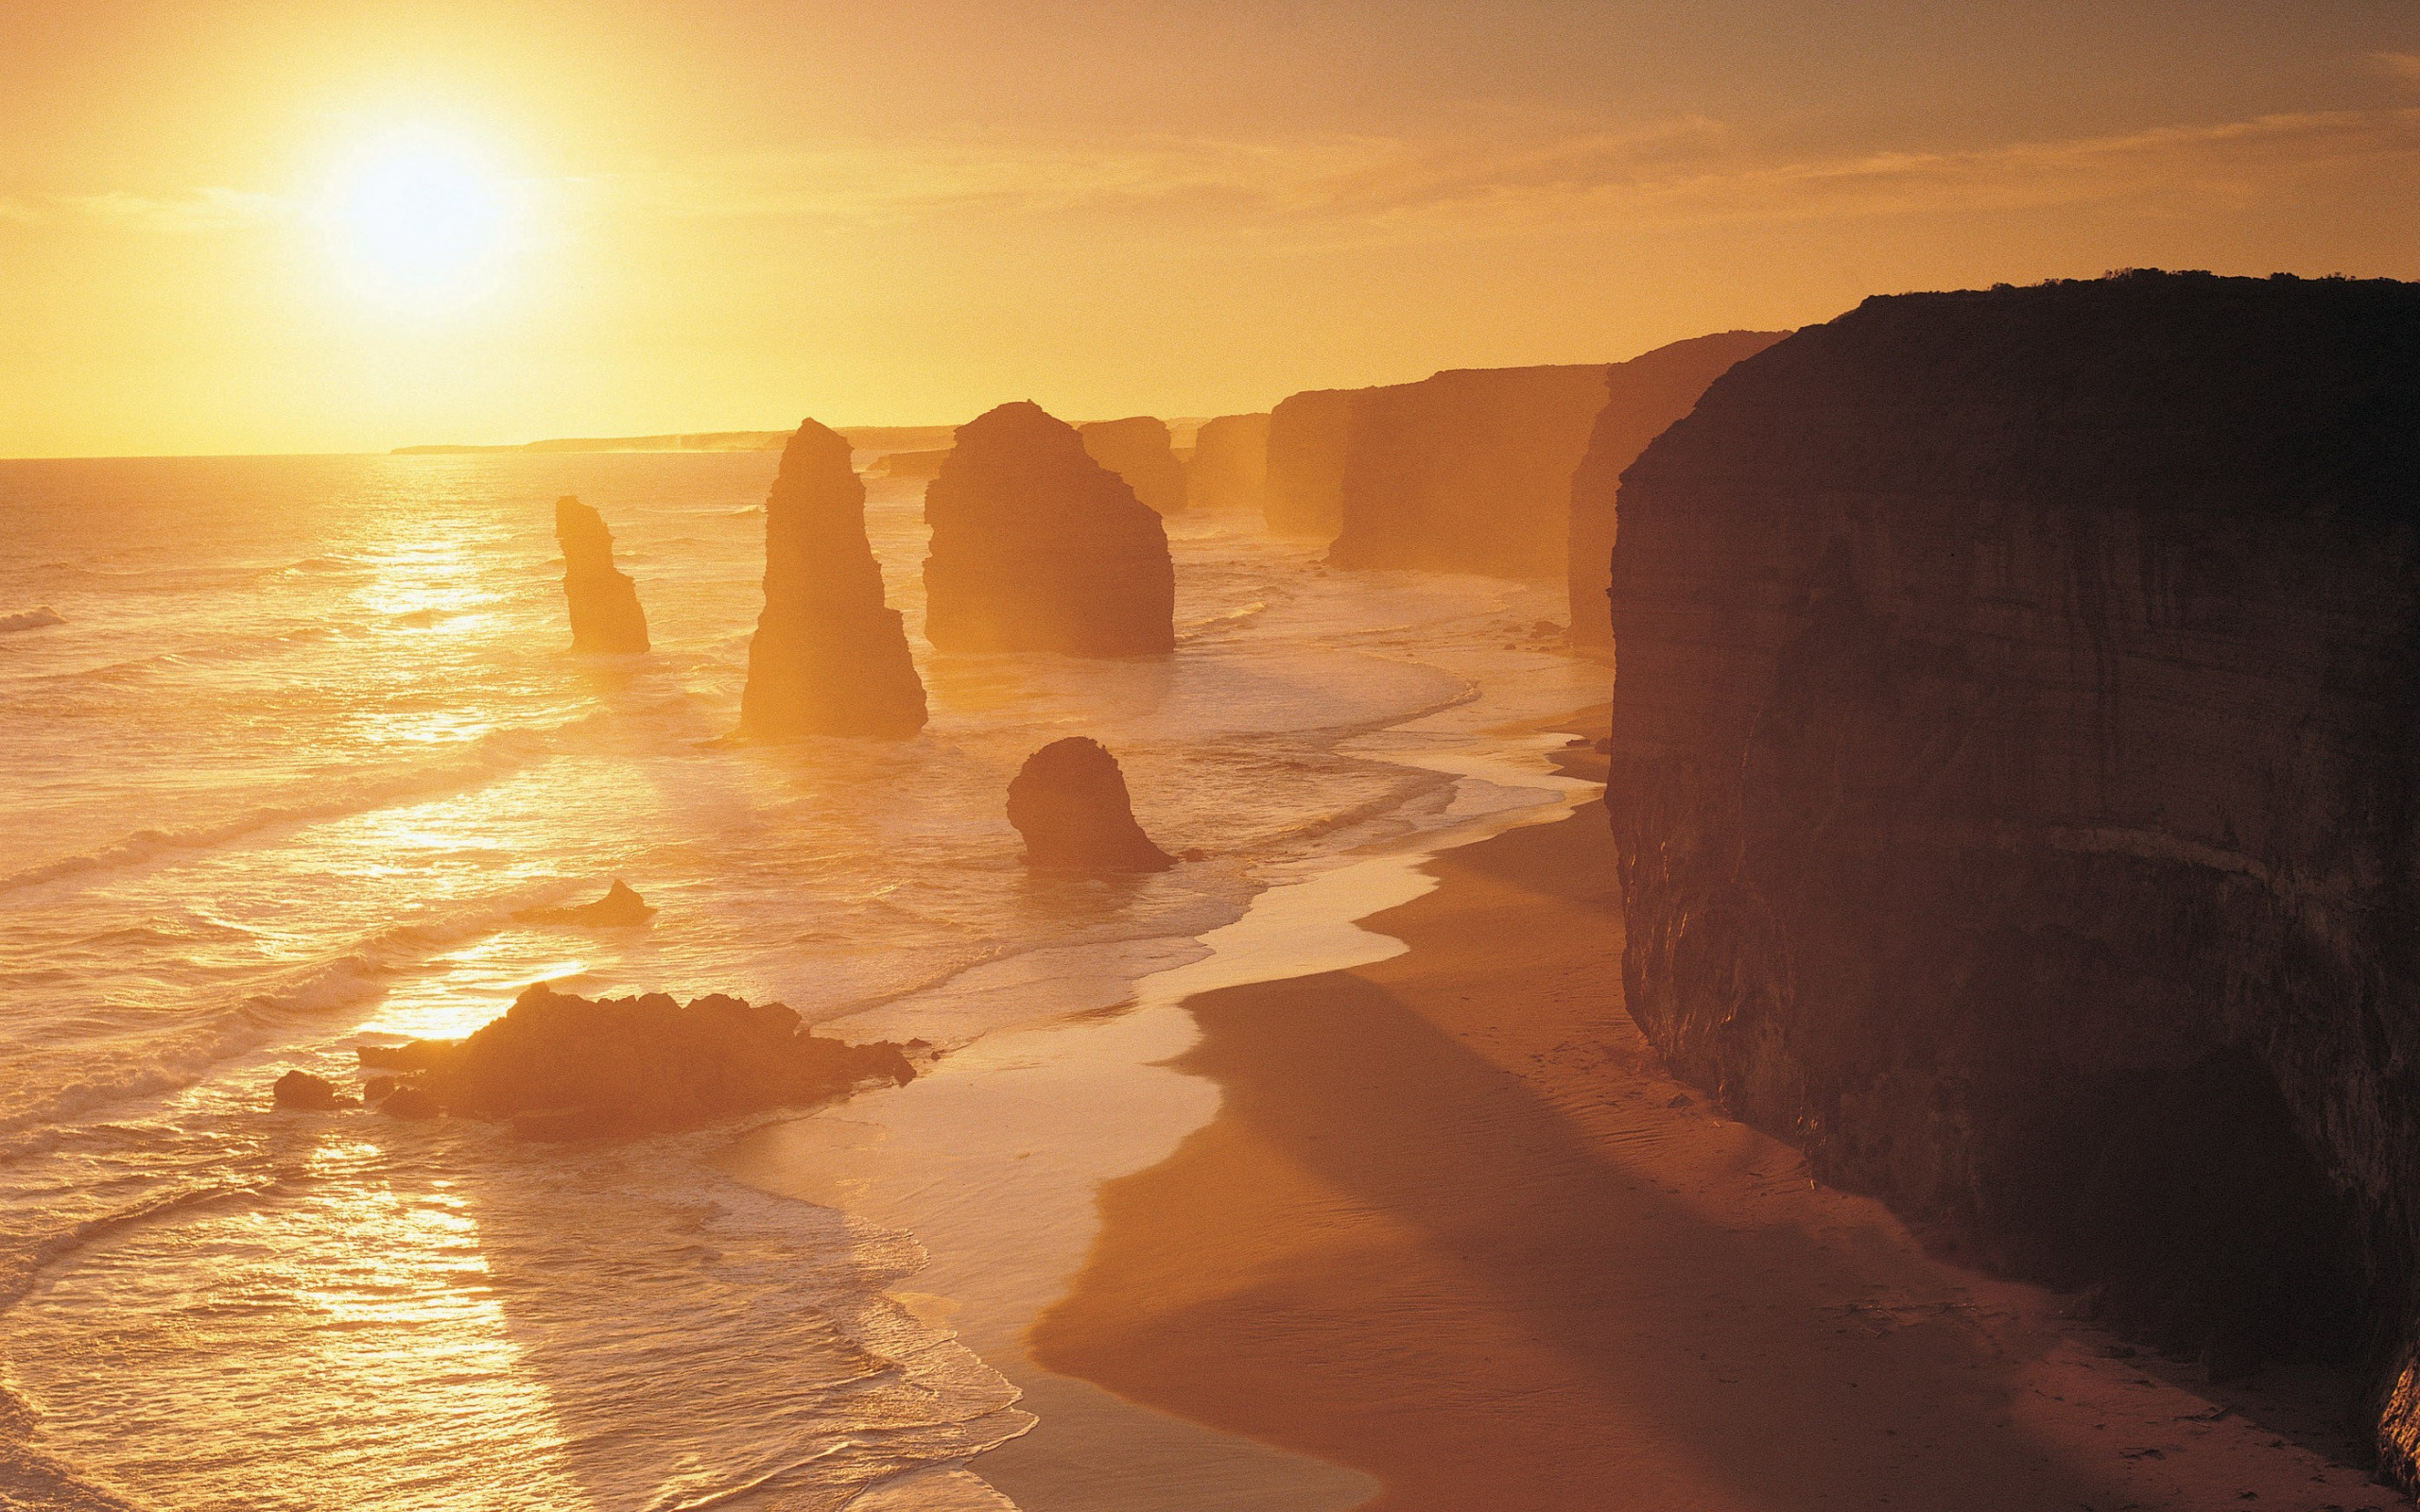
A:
(1229, 468)
(1037, 547)
(605, 613)
(829, 657)
(1138, 450)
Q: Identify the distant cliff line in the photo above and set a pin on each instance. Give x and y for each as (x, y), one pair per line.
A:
(862, 437)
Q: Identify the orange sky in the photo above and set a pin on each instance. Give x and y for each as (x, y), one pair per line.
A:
(728, 215)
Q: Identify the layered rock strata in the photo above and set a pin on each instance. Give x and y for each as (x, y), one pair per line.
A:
(1467, 471)
(605, 613)
(828, 658)
(561, 1066)
(1037, 547)
(1308, 436)
(2017, 789)
(1229, 468)
(1642, 397)
(1069, 802)
(1137, 449)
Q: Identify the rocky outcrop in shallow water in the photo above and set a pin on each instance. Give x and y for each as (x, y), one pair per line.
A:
(1642, 397)
(620, 909)
(1229, 468)
(1069, 802)
(1467, 471)
(1037, 547)
(298, 1092)
(605, 615)
(2017, 789)
(1138, 450)
(560, 1066)
(828, 658)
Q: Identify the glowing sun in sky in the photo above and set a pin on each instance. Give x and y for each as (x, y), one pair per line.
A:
(421, 221)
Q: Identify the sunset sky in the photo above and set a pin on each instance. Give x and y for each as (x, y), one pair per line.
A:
(336, 226)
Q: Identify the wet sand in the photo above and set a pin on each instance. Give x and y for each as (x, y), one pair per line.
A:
(1451, 1226)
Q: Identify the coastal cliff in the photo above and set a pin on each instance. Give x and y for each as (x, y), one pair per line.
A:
(2016, 793)
(1229, 468)
(1037, 547)
(828, 657)
(605, 613)
(1467, 471)
(1138, 450)
(1308, 436)
(1642, 397)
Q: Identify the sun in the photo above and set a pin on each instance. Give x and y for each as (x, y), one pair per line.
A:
(420, 221)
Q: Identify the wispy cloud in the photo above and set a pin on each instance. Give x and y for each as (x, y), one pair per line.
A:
(195, 213)
(2402, 65)
(1687, 170)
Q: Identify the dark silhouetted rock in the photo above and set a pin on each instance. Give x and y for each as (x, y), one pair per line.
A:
(1037, 547)
(1467, 471)
(561, 1066)
(1642, 397)
(1309, 434)
(2015, 777)
(605, 615)
(620, 907)
(1069, 801)
(301, 1093)
(1138, 450)
(1229, 468)
(31, 619)
(828, 658)
(378, 1087)
(410, 1103)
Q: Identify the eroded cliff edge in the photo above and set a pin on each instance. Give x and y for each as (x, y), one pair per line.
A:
(2016, 774)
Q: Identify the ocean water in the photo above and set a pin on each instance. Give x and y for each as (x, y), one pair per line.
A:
(304, 737)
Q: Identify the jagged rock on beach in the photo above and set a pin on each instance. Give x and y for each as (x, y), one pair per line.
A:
(1229, 468)
(1069, 802)
(561, 1066)
(605, 613)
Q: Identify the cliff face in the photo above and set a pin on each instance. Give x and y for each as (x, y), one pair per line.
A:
(1138, 450)
(605, 613)
(1308, 436)
(1467, 471)
(1229, 469)
(1037, 547)
(1642, 397)
(828, 658)
(2014, 781)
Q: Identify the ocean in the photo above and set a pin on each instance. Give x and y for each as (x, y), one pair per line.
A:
(304, 737)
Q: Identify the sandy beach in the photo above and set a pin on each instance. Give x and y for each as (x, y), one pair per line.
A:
(1452, 1228)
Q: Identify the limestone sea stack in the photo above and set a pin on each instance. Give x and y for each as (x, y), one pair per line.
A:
(561, 1066)
(1308, 436)
(2015, 777)
(1069, 801)
(1467, 471)
(605, 615)
(1642, 397)
(1138, 450)
(1037, 547)
(828, 657)
(1229, 468)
